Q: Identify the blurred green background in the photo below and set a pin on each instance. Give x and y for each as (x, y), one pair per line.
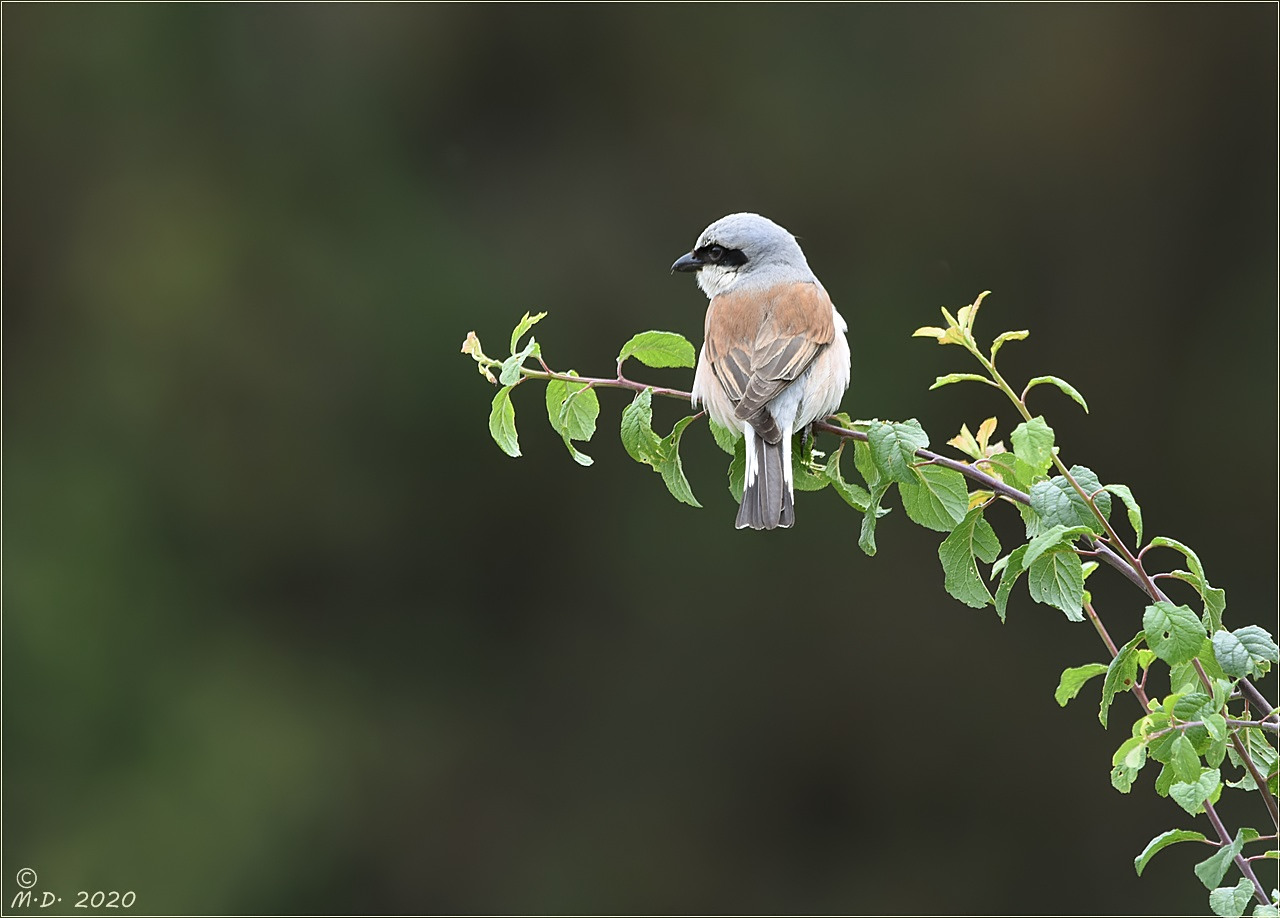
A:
(285, 631)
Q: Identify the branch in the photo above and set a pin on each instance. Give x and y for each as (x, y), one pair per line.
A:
(1106, 545)
(1240, 860)
(1257, 699)
(1129, 566)
(1188, 724)
(618, 382)
(990, 482)
(1126, 562)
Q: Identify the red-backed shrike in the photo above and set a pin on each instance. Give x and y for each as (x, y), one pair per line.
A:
(775, 358)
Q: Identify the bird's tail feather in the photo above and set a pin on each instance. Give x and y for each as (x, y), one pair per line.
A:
(767, 502)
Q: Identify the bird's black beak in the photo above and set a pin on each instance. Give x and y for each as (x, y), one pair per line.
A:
(690, 262)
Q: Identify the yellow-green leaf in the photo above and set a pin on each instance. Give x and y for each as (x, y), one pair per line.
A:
(1006, 336)
(1061, 384)
(523, 326)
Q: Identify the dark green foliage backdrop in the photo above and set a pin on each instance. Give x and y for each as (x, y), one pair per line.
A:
(284, 630)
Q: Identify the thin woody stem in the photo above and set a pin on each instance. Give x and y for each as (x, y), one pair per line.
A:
(1240, 860)
(618, 382)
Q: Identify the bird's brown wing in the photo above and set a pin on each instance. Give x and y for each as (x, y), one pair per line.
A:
(759, 342)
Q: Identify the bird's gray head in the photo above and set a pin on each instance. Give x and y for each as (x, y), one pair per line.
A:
(744, 249)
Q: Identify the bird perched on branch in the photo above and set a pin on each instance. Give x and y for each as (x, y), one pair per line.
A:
(775, 357)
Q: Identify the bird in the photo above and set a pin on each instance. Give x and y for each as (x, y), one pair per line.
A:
(775, 356)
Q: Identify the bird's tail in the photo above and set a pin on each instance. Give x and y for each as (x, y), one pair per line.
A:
(767, 501)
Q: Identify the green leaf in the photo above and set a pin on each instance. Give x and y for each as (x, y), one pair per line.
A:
(523, 326)
(1193, 560)
(865, 464)
(1231, 654)
(1131, 507)
(502, 423)
(510, 373)
(1033, 443)
(1263, 754)
(1073, 679)
(1269, 910)
(878, 486)
(972, 540)
(643, 445)
(1192, 705)
(579, 457)
(1057, 536)
(1245, 651)
(659, 349)
(725, 438)
(803, 476)
(1061, 384)
(1089, 482)
(1216, 726)
(959, 377)
(1183, 676)
(1057, 502)
(1128, 760)
(867, 537)
(1183, 759)
(937, 497)
(1160, 747)
(1231, 901)
(893, 447)
(1014, 472)
(1121, 674)
(1031, 519)
(572, 409)
(1162, 841)
(1213, 869)
(1215, 603)
(638, 438)
(1175, 633)
(1220, 599)
(738, 470)
(672, 468)
(1057, 578)
(1191, 795)
(1008, 577)
(1215, 600)
(854, 496)
(1257, 640)
(1006, 336)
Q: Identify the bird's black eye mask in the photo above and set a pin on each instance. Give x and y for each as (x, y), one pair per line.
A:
(713, 254)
